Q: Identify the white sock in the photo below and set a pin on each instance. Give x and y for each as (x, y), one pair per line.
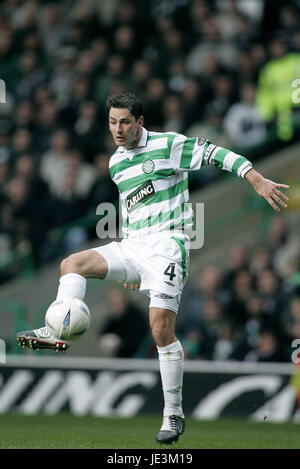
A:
(171, 372)
(73, 285)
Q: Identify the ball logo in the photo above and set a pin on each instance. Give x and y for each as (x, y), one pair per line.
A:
(67, 318)
(148, 166)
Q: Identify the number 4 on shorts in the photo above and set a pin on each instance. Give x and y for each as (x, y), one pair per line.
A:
(170, 271)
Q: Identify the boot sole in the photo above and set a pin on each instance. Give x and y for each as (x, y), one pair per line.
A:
(35, 344)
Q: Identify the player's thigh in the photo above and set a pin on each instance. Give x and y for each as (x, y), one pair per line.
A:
(120, 262)
(88, 263)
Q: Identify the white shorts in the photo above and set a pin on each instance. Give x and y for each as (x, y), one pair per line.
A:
(158, 263)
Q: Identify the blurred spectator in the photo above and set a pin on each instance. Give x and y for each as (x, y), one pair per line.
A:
(8, 57)
(156, 91)
(172, 113)
(224, 343)
(241, 291)
(81, 92)
(86, 64)
(52, 27)
(292, 278)
(288, 19)
(85, 17)
(191, 103)
(24, 116)
(267, 350)
(62, 78)
(38, 205)
(238, 259)
(247, 71)
(198, 14)
(124, 44)
(4, 169)
(141, 72)
(21, 142)
(261, 259)
(208, 285)
(211, 43)
(210, 69)
(103, 188)
(67, 204)
(285, 245)
(258, 56)
(125, 328)
(242, 122)
(26, 168)
(212, 127)
(47, 120)
(84, 173)
(228, 19)
(115, 71)
(210, 326)
(54, 162)
(273, 298)
(202, 340)
(19, 217)
(291, 320)
(88, 135)
(223, 92)
(30, 76)
(254, 319)
(172, 48)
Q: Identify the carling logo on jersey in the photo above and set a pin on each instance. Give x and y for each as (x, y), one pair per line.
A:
(142, 193)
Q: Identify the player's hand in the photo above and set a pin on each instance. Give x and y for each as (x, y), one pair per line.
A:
(269, 190)
(132, 286)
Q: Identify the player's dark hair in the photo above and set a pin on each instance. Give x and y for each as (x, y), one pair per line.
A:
(125, 101)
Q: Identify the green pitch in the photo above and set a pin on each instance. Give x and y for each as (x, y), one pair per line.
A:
(67, 431)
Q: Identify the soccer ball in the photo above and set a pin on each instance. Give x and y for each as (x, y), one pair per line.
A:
(68, 319)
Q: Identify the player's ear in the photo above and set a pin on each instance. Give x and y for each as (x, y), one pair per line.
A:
(141, 121)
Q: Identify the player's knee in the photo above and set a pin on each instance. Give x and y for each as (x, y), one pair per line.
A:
(72, 264)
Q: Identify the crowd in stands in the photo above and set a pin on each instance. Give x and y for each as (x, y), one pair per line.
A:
(199, 66)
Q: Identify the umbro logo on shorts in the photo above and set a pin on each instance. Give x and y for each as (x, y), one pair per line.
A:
(142, 193)
(164, 296)
(169, 283)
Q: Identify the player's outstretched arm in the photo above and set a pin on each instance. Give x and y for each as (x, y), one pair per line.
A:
(267, 189)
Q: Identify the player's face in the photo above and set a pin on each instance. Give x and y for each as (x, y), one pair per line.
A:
(125, 129)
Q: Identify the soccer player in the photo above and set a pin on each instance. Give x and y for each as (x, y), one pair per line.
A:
(150, 170)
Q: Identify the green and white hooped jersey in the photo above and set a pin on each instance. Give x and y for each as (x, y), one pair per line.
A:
(153, 179)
